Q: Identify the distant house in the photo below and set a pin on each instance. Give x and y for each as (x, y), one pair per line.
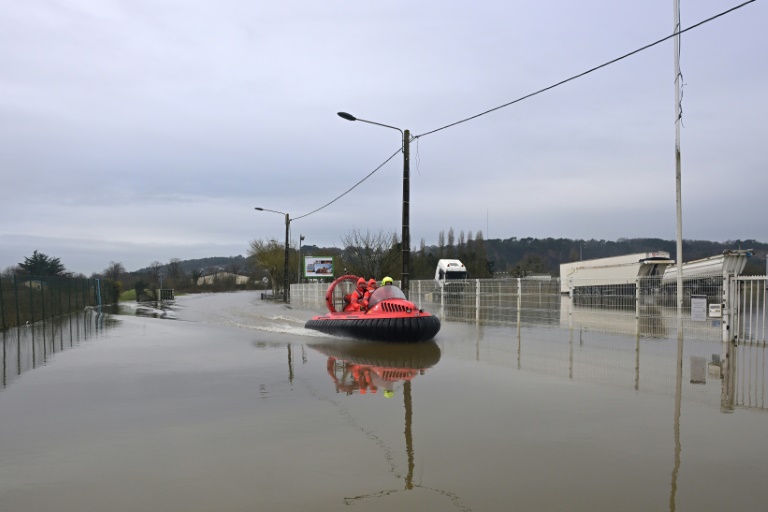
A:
(219, 276)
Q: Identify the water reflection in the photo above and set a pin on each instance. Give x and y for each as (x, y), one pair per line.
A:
(31, 346)
(367, 368)
(155, 309)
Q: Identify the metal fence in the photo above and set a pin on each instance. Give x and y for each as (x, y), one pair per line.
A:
(713, 308)
(750, 310)
(29, 347)
(28, 299)
(607, 332)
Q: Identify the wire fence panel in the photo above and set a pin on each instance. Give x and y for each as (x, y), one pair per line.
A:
(647, 307)
(749, 324)
(28, 299)
(31, 346)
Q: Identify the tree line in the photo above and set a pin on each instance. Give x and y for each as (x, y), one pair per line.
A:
(379, 254)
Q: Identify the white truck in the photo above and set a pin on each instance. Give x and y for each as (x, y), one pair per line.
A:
(450, 270)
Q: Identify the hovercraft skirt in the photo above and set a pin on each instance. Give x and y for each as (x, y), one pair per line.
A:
(408, 329)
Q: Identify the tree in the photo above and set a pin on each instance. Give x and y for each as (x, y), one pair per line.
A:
(154, 270)
(114, 271)
(236, 267)
(174, 269)
(9, 271)
(40, 264)
(270, 255)
(370, 255)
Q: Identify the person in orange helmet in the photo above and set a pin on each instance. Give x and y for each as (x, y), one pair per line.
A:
(357, 296)
(371, 286)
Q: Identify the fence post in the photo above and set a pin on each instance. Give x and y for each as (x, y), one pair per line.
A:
(31, 302)
(2, 306)
(727, 313)
(637, 306)
(519, 303)
(16, 299)
(98, 294)
(477, 300)
(42, 301)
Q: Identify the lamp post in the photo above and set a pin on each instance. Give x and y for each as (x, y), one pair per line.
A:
(298, 279)
(406, 235)
(286, 286)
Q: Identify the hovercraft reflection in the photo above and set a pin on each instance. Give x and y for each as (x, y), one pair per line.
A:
(389, 316)
(368, 368)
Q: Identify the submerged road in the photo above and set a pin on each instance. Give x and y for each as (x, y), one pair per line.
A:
(225, 402)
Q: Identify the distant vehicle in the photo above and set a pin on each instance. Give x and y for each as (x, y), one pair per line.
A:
(450, 270)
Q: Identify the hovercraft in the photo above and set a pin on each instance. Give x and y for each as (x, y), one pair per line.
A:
(389, 317)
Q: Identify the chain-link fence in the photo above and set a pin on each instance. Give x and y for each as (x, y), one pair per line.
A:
(645, 307)
(28, 299)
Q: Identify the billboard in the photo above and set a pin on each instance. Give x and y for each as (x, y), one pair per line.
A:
(318, 266)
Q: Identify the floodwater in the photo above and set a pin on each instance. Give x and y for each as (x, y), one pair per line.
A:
(225, 402)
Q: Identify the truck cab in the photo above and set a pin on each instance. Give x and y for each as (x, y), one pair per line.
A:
(450, 270)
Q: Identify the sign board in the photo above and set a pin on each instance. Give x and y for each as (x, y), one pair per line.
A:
(318, 266)
(699, 308)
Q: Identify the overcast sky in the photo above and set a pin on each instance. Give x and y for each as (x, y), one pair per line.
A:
(137, 131)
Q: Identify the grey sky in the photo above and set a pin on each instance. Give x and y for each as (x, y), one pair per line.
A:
(140, 130)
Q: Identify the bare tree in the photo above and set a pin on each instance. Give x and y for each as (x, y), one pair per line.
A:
(269, 255)
(370, 254)
(174, 269)
(154, 271)
(114, 271)
(196, 274)
(236, 267)
(9, 271)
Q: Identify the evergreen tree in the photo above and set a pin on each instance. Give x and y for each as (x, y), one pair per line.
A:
(40, 264)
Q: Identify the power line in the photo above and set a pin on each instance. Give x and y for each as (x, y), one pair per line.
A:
(518, 100)
(574, 77)
(351, 188)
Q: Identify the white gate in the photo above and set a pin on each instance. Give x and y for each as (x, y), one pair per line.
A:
(748, 306)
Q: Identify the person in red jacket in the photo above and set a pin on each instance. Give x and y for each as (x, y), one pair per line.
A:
(372, 285)
(357, 296)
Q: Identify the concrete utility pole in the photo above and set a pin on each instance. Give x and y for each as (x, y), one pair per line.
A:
(406, 233)
(286, 284)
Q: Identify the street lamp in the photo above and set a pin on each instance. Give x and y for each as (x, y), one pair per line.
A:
(298, 279)
(406, 236)
(285, 267)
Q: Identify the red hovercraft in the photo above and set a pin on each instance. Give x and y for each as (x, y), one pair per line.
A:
(389, 317)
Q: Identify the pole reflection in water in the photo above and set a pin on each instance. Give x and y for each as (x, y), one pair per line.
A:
(678, 406)
(366, 369)
(30, 346)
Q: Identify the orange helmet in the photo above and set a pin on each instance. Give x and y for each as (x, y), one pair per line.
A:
(361, 282)
(372, 283)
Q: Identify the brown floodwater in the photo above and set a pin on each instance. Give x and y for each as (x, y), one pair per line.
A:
(224, 402)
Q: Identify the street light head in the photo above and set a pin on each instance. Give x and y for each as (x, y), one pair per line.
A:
(260, 209)
(348, 117)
